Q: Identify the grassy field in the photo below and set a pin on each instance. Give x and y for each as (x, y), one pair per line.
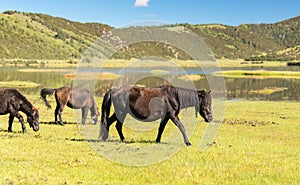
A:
(257, 144)
(111, 63)
(259, 74)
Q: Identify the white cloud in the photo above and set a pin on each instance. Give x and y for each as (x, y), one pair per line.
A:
(149, 15)
(141, 3)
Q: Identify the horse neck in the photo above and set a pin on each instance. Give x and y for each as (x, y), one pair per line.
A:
(187, 98)
(26, 107)
(93, 108)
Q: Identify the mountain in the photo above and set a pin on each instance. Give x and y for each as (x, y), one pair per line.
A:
(40, 36)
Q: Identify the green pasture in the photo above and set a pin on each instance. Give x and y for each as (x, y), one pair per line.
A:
(258, 74)
(112, 63)
(257, 144)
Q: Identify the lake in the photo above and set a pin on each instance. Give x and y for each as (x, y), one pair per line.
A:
(274, 89)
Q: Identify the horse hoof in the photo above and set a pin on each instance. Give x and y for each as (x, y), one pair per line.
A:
(61, 123)
(188, 144)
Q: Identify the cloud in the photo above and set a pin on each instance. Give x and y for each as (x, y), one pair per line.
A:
(141, 3)
(148, 15)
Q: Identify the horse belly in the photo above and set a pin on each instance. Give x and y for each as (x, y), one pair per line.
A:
(151, 111)
(3, 106)
(72, 106)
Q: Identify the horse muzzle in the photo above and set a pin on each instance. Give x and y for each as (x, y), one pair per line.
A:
(209, 119)
(35, 127)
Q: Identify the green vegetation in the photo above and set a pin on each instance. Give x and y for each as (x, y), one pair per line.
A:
(192, 77)
(87, 76)
(18, 84)
(259, 74)
(159, 72)
(269, 90)
(30, 70)
(250, 148)
(40, 36)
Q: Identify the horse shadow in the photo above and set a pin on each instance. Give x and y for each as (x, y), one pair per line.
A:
(141, 141)
(54, 123)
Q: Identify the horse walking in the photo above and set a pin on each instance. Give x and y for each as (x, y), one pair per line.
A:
(150, 104)
(11, 102)
(74, 98)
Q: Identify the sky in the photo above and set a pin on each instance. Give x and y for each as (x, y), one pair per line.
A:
(118, 13)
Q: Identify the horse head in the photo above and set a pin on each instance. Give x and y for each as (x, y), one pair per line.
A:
(204, 107)
(94, 113)
(33, 119)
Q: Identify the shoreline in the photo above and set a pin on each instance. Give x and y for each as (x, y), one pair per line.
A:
(72, 63)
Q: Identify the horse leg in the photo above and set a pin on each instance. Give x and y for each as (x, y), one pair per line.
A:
(10, 122)
(119, 126)
(105, 126)
(178, 123)
(110, 121)
(21, 121)
(58, 112)
(84, 113)
(11, 119)
(161, 128)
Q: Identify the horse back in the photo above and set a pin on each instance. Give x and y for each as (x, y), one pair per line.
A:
(62, 95)
(147, 103)
(145, 95)
(10, 99)
(74, 97)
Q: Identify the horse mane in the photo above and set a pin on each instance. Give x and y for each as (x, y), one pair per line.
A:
(25, 100)
(186, 97)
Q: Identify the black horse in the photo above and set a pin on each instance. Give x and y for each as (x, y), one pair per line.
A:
(11, 102)
(150, 104)
(74, 98)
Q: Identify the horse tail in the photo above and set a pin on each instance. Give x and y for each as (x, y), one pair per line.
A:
(44, 92)
(105, 111)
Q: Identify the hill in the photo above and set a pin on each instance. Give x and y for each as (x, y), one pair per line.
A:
(40, 36)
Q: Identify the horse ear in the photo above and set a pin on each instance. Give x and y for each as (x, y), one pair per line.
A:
(201, 93)
(34, 110)
(209, 91)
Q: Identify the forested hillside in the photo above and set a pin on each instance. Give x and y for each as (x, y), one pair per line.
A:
(40, 36)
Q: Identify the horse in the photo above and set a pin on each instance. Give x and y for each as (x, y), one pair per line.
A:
(11, 102)
(150, 104)
(74, 98)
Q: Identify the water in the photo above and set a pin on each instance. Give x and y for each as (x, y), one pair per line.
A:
(246, 88)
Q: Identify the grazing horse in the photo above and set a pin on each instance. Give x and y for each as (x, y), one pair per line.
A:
(73, 98)
(11, 102)
(150, 104)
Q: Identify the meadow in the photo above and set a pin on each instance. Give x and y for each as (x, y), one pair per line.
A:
(258, 143)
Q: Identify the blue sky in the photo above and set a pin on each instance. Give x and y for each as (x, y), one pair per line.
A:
(122, 12)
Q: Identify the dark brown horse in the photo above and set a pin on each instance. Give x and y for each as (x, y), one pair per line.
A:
(11, 102)
(74, 98)
(149, 104)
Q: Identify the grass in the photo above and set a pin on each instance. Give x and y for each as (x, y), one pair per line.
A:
(121, 63)
(89, 76)
(18, 84)
(258, 74)
(269, 90)
(46, 70)
(193, 77)
(266, 152)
